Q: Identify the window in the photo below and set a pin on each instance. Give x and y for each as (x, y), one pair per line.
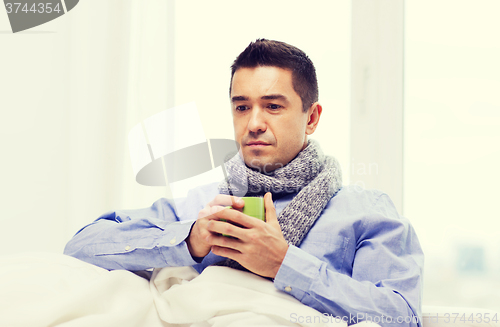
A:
(452, 147)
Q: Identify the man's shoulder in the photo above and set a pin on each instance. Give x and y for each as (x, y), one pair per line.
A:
(354, 194)
(366, 205)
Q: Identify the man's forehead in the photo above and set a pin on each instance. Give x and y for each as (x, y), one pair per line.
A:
(262, 80)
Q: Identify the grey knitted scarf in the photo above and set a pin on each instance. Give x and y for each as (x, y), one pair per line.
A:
(316, 178)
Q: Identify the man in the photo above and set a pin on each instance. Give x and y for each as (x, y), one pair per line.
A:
(342, 251)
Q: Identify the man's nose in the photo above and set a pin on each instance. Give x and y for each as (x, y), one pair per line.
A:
(257, 122)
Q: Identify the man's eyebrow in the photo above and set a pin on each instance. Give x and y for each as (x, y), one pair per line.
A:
(239, 98)
(274, 97)
(265, 97)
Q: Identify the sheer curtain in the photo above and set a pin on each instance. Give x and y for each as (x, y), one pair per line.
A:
(71, 90)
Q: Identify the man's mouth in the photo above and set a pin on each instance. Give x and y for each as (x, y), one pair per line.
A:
(257, 144)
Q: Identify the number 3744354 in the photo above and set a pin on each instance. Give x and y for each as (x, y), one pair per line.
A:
(35, 8)
(478, 317)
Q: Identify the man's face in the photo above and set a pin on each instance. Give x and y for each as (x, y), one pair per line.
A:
(269, 123)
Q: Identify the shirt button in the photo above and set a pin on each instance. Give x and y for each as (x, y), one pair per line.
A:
(127, 248)
(288, 289)
(172, 241)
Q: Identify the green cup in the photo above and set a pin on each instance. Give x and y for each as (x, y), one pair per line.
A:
(254, 207)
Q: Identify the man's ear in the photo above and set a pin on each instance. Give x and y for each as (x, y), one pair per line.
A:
(313, 115)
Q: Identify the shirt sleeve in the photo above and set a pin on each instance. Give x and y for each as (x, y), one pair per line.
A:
(386, 281)
(135, 240)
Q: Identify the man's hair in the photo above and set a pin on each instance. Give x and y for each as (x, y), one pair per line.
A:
(264, 52)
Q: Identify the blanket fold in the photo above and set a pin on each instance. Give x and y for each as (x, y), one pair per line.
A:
(225, 297)
(46, 289)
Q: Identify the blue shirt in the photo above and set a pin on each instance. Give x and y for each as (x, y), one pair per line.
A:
(360, 260)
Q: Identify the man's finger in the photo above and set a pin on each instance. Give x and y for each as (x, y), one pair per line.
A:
(209, 212)
(224, 242)
(271, 217)
(227, 252)
(238, 218)
(225, 229)
(227, 200)
(215, 209)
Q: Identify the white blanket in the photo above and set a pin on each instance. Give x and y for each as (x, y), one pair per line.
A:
(43, 289)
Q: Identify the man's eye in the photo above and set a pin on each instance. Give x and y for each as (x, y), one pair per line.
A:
(274, 106)
(241, 108)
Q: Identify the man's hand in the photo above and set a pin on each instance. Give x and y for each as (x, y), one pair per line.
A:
(197, 239)
(258, 246)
